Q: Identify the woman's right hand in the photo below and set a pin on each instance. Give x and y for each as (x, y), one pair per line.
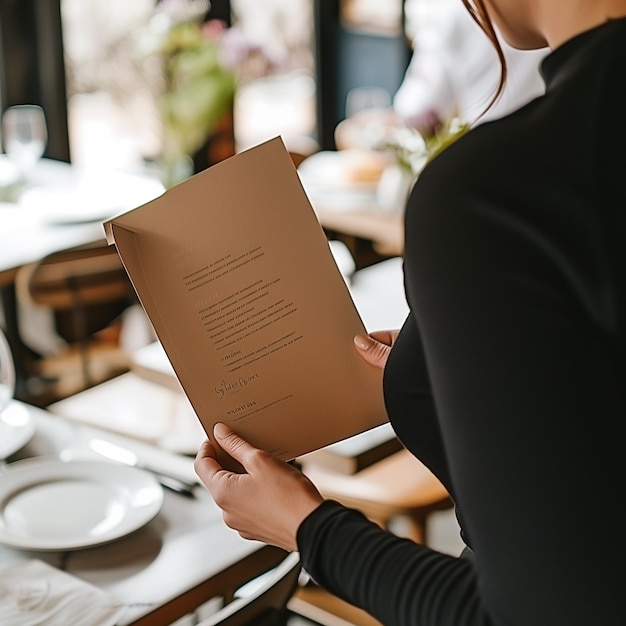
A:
(376, 346)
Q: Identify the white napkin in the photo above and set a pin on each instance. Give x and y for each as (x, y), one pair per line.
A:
(32, 593)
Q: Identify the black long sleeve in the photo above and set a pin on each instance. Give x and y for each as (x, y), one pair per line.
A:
(509, 377)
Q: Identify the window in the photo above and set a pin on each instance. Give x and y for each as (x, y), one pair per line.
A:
(113, 119)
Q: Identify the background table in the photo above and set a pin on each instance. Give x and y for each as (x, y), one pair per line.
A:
(32, 230)
(385, 231)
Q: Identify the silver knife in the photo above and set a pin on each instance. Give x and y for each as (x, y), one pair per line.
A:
(119, 454)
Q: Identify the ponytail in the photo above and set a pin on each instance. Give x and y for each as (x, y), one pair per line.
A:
(478, 12)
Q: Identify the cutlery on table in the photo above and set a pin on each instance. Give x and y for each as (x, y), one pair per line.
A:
(119, 454)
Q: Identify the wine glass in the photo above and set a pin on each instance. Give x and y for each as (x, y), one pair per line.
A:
(7, 373)
(366, 98)
(25, 136)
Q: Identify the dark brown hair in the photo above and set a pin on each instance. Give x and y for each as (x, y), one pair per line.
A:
(479, 14)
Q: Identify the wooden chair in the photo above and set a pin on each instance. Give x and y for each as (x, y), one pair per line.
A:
(87, 289)
(263, 601)
(398, 487)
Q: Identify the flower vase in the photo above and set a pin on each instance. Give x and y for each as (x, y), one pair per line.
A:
(175, 170)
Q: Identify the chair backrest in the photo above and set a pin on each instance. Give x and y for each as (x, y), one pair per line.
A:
(90, 275)
(89, 283)
(263, 601)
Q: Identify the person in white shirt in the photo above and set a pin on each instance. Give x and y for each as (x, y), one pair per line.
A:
(454, 70)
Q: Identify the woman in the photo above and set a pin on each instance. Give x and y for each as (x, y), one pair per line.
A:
(515, 272)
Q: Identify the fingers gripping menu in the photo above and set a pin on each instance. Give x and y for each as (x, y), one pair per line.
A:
(235, 273)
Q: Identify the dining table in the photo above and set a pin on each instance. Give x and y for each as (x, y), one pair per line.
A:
(59, 207)
(82, 532)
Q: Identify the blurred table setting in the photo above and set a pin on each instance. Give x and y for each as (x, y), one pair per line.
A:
(56, 207)
(361, 188)
(90, 540)
(60, 205)
(347, 203)
(146, 404)
(103, 522)
(100, 529)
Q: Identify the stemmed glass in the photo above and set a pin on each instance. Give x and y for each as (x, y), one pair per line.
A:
(7, 373)
(25, 136)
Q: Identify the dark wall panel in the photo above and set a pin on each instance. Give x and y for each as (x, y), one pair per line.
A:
(32, 68)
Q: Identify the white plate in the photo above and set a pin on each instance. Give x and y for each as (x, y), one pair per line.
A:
(17, 428)
(48, 504)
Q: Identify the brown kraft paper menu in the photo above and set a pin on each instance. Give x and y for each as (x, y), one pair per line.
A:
(235, 273)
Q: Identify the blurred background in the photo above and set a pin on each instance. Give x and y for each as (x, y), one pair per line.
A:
(362, 92)
(163, 89)
(138, 92)
(94, 66)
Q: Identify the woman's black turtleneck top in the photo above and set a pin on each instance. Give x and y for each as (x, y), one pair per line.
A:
(508, 378)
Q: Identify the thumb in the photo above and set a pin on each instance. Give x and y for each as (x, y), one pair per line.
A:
(374, 352)
(234, 445)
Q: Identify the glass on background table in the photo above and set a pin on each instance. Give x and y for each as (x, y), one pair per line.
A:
(25, 135)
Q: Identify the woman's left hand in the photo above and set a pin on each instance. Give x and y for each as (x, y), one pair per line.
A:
(376, 347)
(267, 503)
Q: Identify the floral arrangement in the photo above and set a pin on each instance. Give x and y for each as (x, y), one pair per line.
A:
(198, 88)
(412, 149)
(408, 149)
(193, 88)
(198, 66)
